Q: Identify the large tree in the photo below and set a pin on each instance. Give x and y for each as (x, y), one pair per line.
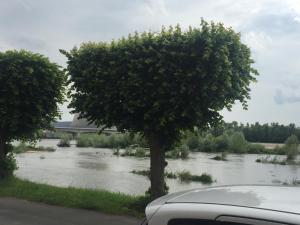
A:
(30, 89)
(160, 84)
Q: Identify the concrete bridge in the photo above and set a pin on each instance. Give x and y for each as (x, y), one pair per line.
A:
(78, 126)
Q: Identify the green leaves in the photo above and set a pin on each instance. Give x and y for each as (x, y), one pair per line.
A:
(30, 89)
(161, 83)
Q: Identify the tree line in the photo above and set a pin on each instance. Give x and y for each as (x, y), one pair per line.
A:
(268, 133)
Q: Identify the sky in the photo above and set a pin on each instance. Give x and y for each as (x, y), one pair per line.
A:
(271, 28)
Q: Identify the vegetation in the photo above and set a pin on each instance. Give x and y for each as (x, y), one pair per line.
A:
(266, 133)
(272, 160)
(121, 140)
(184, 176)
(169, 175)
(291, 150)
(22, 147)
(229, 141)
(164, 83)
(64, 141)
(31, 87)
(222, 157)
(104, 201)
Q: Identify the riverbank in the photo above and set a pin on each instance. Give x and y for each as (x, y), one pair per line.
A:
(102, 201)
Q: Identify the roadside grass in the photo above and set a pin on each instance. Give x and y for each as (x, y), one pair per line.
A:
(103, 201)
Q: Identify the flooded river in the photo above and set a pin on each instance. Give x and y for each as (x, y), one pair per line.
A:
(99, 169)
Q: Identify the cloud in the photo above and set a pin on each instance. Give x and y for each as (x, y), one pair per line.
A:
(271, 28)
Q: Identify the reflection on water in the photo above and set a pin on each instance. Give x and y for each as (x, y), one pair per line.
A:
(100, 169)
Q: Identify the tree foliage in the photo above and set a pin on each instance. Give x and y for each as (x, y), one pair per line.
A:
(161, 83)
(30, 89)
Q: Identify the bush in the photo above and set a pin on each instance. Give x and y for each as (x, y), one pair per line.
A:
(122, 140)
(186, 176)
(291, 147)
(238, 143)
(8, 165)
(256, 149)
(192, 141)
(64, 141)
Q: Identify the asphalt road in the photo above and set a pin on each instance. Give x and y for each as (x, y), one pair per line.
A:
(21, 212)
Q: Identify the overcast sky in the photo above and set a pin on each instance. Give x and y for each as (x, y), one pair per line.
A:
(271, 28)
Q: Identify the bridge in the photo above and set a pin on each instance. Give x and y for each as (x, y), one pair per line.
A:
(78, 126)
(84, 130)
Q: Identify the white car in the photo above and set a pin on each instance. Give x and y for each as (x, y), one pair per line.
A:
(227, 205)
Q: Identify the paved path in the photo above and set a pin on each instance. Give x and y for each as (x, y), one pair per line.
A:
(21, 212)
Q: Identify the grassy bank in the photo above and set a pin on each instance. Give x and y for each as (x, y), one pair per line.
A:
(103, 201)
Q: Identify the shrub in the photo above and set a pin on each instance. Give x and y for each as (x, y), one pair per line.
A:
(186, 176)
(291, 147)
(238, 143)
(256, 149)
(64, 141)
(192, 141)
(8, 165)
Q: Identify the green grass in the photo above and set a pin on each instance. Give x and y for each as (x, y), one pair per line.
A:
(103, 201)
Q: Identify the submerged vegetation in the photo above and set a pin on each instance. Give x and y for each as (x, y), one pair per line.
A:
(22, 147)
(291, 150)
(186, 176)
(64, 141)
(222, 157)
(183, 176)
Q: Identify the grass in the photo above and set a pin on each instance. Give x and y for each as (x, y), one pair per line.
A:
(21, 148)
(103, 201)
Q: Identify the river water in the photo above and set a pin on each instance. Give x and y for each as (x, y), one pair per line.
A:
(99, 169)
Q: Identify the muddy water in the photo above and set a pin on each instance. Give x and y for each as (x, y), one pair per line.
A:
(100, 169)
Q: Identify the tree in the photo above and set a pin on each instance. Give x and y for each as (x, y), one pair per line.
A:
(159, 84)
(30, 89)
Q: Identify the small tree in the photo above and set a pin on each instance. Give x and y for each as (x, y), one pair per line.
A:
(291, 147)
(159, 84)
(30, 88)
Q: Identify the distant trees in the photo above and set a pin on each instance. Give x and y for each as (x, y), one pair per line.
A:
(159, 84)
(270, 133)
(30, 89)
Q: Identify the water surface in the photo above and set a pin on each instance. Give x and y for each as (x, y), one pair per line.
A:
(99, 169)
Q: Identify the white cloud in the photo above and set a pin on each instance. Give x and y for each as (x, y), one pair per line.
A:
(270, 27)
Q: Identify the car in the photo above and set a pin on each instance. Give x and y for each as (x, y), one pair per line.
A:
(227, 205)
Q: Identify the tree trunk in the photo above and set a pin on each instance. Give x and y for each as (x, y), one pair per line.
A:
(157, 168)
(3, 173)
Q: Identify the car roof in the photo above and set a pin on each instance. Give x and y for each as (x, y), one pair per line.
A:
(278, 198)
